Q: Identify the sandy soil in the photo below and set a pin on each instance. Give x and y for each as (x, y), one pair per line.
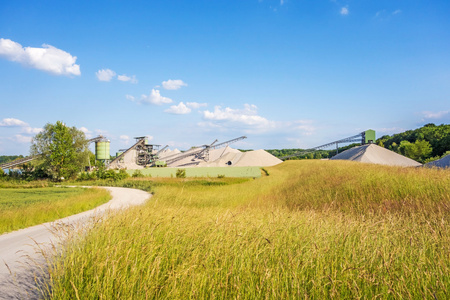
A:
(20, 250)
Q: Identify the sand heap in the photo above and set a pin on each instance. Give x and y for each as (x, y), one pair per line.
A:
(229, 157)
(375, 154)
(440, 163)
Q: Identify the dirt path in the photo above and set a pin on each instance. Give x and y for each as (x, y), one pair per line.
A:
(19, 249)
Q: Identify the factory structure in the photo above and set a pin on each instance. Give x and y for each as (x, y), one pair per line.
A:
(142, 154)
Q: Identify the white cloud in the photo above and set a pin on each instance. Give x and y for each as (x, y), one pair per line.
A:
(25, 127)
(397, 12)
(196, 105)
(247, 116)
(105, 74)
(344, 11)
(11, 122)
(173, 84)
(47, 58)
(129, 97)
(435, 115)
(155, 98)
(281, 2)
(247, 120)
(180, 109)
(125, 78)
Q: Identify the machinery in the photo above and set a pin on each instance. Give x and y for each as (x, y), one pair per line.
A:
(365, 137)
(201, 152)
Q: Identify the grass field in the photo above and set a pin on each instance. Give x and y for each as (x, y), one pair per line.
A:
(24, 207)
(312, 229)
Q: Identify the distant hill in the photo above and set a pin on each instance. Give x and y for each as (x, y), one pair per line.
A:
(6, 158)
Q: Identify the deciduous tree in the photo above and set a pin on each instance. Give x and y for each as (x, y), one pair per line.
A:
(63, 150)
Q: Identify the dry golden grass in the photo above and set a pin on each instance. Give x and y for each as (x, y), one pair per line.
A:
(312, 229)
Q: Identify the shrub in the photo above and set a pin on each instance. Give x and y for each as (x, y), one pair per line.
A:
(181, 173)
(137, 173)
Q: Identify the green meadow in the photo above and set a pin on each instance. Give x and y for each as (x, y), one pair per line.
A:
(25, 207)
(308, 229)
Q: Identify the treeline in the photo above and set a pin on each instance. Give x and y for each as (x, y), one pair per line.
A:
(424, 144)
(8, 158)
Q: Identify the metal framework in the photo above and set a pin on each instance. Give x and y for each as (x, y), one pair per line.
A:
(201, 152)
(359, 138)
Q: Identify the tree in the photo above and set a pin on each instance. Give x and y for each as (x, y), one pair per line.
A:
(63, 150)
(420, 150)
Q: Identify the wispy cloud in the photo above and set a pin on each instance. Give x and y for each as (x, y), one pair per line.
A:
(344, 11)
(196, 105)
(180, 109)
(126, 78)
(130, 97)
(173, 84)
(435, 115)
(396, 12)
(48, 58)
(105, 74)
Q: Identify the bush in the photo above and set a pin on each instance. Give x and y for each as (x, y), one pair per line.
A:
(137, 173)
(220, 176)
(181, 173)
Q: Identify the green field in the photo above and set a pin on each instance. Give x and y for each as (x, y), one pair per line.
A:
(202, 172)
(21, 208)
(311, 229)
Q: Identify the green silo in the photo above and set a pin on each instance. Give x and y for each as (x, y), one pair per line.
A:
(102, 150)
(369, 136)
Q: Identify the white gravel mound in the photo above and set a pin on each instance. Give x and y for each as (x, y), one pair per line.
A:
(440, 163)
(375, 154)
(235, 158)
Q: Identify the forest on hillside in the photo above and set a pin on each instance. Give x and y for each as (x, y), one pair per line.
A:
(427, 143)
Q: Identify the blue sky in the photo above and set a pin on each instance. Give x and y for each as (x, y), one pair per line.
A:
(287, 74)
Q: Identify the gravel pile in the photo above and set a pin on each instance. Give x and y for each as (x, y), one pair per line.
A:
(440, 163)
(375, 154)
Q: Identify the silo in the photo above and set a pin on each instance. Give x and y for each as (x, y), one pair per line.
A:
(369, 136)
(102, 150)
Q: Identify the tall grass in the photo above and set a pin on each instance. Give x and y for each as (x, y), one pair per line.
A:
(312, 229)
(21, 208)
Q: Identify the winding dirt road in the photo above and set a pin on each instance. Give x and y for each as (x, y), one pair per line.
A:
(19, 249)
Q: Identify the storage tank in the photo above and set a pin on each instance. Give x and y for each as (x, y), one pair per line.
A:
(369, 136)
(102, 150)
